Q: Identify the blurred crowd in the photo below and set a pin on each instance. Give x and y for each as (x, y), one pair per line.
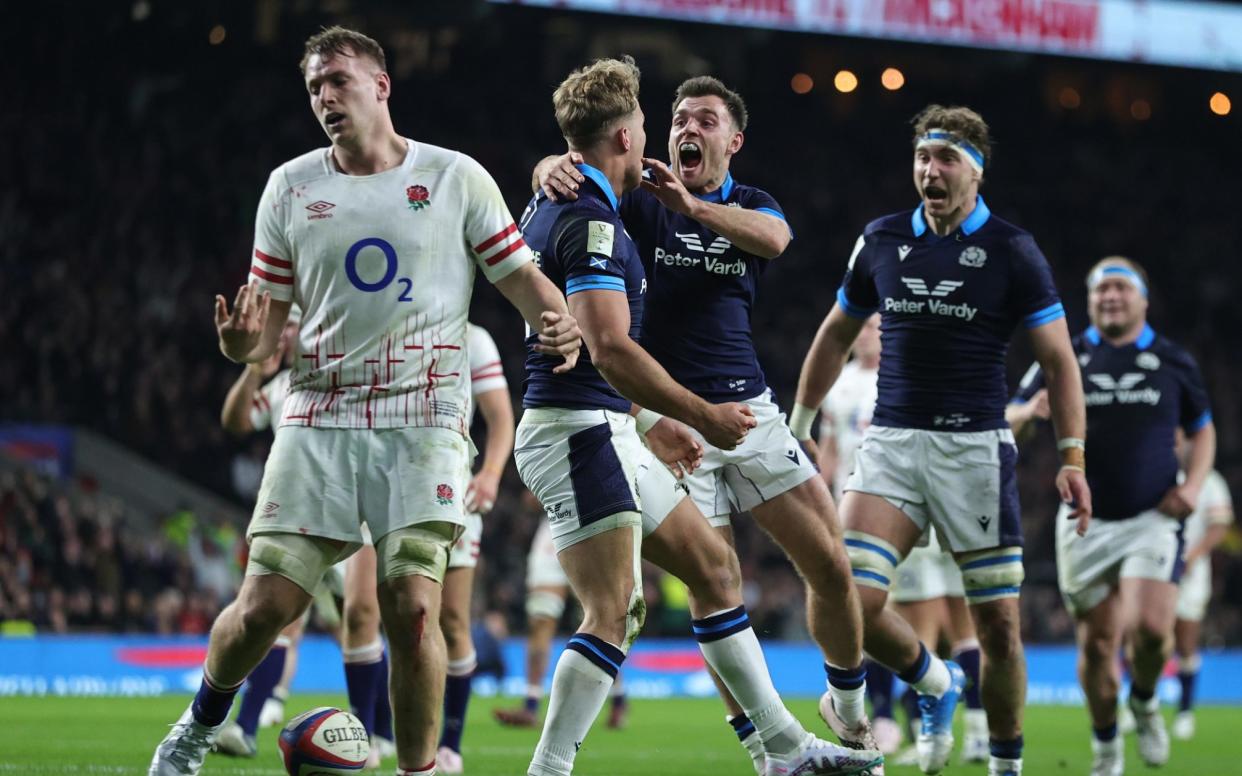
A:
(129, 203)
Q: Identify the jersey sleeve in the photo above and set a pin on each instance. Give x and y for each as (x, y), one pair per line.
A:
(1194, 408)
(857, 295)
(1216, 501)
(1030, 384)
(1034, 294)
(589, 255)
(486, 371)
(760, 201)
(261, 408)
(272, 264)
(493, 236)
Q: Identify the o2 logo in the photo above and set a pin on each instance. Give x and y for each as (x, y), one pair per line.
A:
(390, 268)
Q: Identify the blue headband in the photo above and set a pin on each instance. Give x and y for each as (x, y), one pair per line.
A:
(939, 137)
(1112, 269)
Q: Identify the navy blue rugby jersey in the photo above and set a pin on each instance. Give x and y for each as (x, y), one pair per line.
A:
(949, 305)
(1137, 396)
(580, 246)
(701, 294)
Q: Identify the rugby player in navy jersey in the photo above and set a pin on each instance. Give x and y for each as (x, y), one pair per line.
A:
(1120, 580)
(951, 282)
(705, 241)
(606, 494)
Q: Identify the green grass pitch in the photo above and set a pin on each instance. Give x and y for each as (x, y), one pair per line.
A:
(681, 737)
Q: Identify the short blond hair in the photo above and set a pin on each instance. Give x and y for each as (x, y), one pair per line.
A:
(593, 97)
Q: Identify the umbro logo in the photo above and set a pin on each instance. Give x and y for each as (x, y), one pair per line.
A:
(903, 252)
(1123, 383)
(695, 243)
(918, 287)
(319, 209)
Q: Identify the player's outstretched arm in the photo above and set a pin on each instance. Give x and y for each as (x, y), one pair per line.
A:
(760, 234)
(1021, 416)
(250, 332)
(497, 411)
(543, 306)
(605, 319)
(1055, 354)
(820, 369)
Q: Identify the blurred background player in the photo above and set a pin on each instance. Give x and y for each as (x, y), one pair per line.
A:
(547, 591)
(352, 427)
(1120, 580)
(607, 497)
(1204, 530)
(706, 237)
(952, 282)
(927, 590)
(490, 395)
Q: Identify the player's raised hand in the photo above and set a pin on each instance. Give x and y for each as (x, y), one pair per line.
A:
(668, 188)
(675, 445)
(558, 177)
(1074, 491)
(1179, 501)
(560, 336)
(728, 424)
(241, 329)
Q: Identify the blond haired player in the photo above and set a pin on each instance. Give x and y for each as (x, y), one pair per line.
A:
(378, 239)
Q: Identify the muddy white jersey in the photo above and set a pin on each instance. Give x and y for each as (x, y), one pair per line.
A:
(847, 411)
(486, 371)
(269, 401)
(382, 266)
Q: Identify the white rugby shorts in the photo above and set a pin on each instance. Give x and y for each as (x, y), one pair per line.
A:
(1195, 591)
(542, 567)
(963, 483)
(327, 481)
(769, 462)
(465, 552)
(926, 574)
(588, 466)
(1147, 546)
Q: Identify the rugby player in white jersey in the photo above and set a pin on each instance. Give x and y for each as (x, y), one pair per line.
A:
(1204, 530)
(378, 239)
(952, 282)
(927, 590)
(490, 395)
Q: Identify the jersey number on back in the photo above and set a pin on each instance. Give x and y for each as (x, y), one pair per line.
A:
(390, 268)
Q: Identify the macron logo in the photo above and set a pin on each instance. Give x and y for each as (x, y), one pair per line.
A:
(918, 287)
(694, 243)
(903, 252)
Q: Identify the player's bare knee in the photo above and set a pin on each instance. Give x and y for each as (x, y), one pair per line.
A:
(456, 627)
(262, 616)
(1149, 635)
(1000, 637)
(362, 617)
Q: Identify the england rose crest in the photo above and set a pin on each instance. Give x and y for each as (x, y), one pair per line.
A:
(418, 197)
(444, 493)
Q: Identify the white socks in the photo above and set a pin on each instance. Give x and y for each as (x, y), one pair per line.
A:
(584, 675)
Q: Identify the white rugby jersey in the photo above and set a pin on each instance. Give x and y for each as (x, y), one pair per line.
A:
(382, 266)
(847, 411)
(269, 401)
(1215, 507)
(486, 371)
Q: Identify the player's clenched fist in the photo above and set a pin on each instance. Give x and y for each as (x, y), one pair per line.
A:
(241, 329)
(728, 424)
(560, 336)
